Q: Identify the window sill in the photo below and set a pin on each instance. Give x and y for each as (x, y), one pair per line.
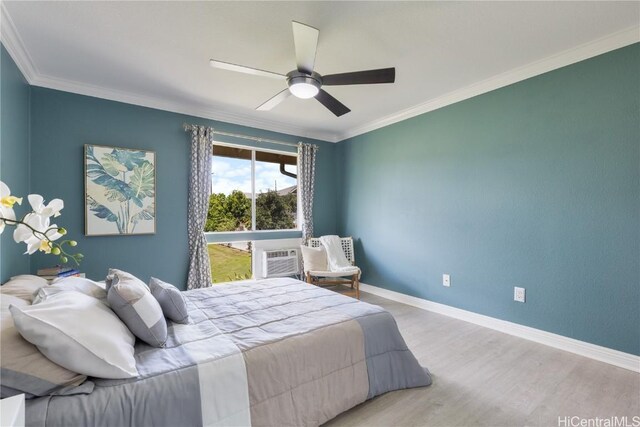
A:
(241, 236)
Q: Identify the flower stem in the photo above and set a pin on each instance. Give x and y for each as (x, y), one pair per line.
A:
(43, 236)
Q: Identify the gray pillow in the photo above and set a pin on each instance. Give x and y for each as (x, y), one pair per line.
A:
(170, 299)
(131, 300)
(108, 281)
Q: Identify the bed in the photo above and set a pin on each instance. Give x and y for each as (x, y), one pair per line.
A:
(274, 352)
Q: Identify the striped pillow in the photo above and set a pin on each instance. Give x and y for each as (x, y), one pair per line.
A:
(170, 299)
(131, 300)
(113, 272)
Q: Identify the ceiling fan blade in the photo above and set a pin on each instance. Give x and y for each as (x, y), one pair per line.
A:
(383, 75)
(305, 39)
(247, 70)
(281, 96)
(335, 106)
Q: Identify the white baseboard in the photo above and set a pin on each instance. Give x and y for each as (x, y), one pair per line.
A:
(592, 351)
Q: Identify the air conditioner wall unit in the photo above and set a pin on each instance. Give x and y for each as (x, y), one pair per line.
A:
(280, 263)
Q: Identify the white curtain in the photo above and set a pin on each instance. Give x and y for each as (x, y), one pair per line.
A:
(198, 205)
(306, 175)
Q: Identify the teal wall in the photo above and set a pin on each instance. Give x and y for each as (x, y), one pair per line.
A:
(536, 185)
(63, 122)
(14, 156)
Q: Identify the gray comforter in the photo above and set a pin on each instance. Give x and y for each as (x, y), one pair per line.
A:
(275, 352)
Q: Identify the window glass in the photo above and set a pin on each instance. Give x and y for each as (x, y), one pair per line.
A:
(231, 189)
(276, 192)
(252, 190)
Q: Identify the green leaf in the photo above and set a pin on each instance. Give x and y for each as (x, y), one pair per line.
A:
(144, 215)
(113, 184)
(143, 180)
(129, 158)
(111, 165)
(114, 194)
(115, 189)
(101, 211)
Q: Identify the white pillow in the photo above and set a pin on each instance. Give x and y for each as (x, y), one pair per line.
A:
(80, 333)
(23, 286)
(79, 284)
(24, 368)
(314, 259)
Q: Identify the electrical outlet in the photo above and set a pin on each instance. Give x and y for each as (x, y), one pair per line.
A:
(518, 294)
(446, 280)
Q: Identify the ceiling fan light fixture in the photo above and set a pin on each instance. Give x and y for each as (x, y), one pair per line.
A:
(304, 86)
(304, 90)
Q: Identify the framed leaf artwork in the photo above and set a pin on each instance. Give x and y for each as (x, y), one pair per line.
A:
(120, 191)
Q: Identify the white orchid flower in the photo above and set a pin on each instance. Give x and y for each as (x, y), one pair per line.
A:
(52, 209)
(23, 233)
(35, 229)
(6, 204)
(36, 240)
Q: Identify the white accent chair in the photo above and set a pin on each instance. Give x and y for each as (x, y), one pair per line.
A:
(331, 278)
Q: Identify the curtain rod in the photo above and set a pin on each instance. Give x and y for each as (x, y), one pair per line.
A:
(187, 127)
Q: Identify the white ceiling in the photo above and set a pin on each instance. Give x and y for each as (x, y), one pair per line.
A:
(157, 53)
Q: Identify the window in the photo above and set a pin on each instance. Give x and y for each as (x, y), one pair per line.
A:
(252, 190)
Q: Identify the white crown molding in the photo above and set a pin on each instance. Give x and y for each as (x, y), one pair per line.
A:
(14, 45)
(580, 53)
(592, 351)
(176, 107)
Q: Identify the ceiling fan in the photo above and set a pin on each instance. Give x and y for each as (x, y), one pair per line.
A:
(304, 82)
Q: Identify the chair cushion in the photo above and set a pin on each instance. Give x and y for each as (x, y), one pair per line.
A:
(342, 273)
(314, 258)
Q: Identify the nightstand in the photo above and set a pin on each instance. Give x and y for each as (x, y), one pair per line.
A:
(12, 411)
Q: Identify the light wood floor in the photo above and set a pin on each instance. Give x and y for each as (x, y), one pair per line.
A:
(483, 377)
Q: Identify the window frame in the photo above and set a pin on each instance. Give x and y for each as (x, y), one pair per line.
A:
(253, 191)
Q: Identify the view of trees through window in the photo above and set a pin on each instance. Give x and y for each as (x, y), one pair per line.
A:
(238, 177)
(275, 184)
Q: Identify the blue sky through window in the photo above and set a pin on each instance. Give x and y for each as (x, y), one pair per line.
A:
(230, 174)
